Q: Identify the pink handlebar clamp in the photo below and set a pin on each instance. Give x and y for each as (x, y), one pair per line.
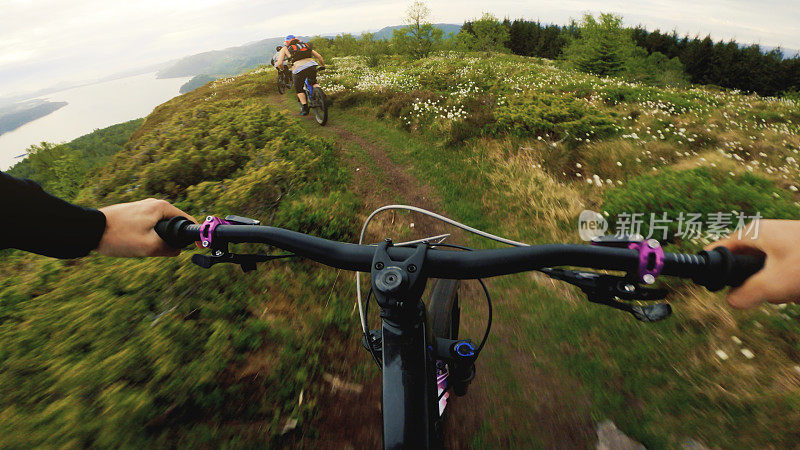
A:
(651, 254)
(651, 259)
(207, 229)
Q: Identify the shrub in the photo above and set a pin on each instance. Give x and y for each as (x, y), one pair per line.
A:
(479, 115)
(537, 114)
(330, 216)
(614, 95)
(702, 191)
(399, 103)
(351, 98)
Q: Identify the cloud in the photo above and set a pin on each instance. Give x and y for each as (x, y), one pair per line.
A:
(43, 42)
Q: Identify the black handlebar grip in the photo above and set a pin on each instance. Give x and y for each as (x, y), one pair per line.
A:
(727, 269)
(171, 231)
(744, 266)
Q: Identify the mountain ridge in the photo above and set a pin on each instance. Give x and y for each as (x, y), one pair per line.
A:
(237, 59)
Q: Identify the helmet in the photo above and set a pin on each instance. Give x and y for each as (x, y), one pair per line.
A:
(289, 39)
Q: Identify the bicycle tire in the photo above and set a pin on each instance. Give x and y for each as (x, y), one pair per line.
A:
(320, 106)
(444, 314)
(281, 85)
(444, 317)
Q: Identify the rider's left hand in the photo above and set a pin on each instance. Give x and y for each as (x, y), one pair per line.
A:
(129, 229)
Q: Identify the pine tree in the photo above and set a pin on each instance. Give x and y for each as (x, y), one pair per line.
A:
(602, 47)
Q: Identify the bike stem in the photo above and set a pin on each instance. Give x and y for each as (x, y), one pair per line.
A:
(410, 404)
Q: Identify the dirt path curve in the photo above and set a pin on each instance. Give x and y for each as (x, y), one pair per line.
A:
(353, 420)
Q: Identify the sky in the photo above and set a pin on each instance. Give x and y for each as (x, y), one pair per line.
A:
(45, 42)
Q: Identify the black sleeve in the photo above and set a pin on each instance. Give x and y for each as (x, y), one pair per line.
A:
(35, 221)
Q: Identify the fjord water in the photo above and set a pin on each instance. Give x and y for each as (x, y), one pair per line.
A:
(89, 107)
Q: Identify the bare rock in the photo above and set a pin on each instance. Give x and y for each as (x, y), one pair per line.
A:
(290, 425)
(609, 437)
(339, 385)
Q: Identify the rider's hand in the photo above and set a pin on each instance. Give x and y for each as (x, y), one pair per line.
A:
(129, 229)
(779, 280)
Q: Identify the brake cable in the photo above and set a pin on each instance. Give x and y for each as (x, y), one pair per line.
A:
(485, 291)
(361, 312)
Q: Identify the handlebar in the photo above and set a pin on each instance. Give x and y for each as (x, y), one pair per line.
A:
(713, 269)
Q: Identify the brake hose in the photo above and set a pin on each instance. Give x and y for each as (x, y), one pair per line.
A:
(444, 219)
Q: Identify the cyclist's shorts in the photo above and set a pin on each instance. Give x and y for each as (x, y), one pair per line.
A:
(309, 73)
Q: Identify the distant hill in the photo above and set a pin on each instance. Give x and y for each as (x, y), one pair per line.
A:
(230, 61)
(196, 82)
(18, 114)
(235, 60)
(787, 52)
(447, 28)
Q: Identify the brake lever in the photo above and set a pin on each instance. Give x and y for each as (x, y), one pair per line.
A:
(246, 261)
(605, 289)
(220, 253)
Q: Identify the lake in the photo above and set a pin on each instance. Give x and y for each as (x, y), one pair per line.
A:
(90, 107)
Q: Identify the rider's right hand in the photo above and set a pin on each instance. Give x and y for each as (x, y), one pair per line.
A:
(779, 280)
(129, 229)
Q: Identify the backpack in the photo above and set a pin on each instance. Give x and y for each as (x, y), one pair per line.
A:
(298, 50)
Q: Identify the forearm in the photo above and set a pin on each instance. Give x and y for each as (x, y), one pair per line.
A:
(37, 222)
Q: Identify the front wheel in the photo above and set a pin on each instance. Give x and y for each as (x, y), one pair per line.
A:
(444, 317)
(320, 106)
(281, 85)
(444, 314)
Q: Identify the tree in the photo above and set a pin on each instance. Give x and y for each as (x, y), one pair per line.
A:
(420, 36)
(532, 39)
(490, 34)
(655, 69)
(602, 47)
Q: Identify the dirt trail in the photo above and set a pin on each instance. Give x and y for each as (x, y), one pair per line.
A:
(354, 419)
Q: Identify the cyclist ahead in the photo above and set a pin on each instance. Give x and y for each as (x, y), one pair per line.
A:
(284, 71)
(302, 57)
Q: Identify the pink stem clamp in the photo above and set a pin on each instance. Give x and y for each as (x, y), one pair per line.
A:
(207, 230)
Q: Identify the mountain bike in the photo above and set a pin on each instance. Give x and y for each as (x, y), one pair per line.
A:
(284, 81)
(317, 100)
(418, 349)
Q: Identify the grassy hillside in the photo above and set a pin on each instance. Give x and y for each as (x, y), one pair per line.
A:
(103, 352)
(62, 169)
(539, 144)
